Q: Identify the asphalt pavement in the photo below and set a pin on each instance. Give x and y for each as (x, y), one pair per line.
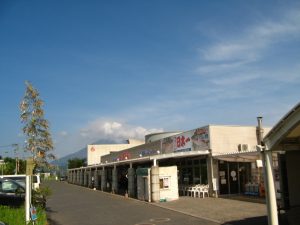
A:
(75, 205)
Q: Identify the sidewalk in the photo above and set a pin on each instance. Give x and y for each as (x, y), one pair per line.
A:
(220, 210)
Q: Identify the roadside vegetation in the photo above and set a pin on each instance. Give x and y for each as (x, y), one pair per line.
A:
(16, 216)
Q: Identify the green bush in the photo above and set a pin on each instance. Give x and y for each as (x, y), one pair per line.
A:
(16, 216)
(40, 195)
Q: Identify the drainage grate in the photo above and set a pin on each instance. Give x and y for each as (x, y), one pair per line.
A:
(144, 224)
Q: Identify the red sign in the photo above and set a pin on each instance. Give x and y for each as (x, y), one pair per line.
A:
(181, 141)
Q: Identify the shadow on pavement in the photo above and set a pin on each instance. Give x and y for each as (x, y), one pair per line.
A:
(50, 221)
(262, 220)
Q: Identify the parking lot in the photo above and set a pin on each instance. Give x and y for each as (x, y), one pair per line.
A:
(73, 203)
(233, 211)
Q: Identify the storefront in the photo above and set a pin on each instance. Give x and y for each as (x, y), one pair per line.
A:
(191, 170)
(234, 176)
(240, 173)
(197, 155)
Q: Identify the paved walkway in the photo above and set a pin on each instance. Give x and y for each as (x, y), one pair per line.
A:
(220, 210)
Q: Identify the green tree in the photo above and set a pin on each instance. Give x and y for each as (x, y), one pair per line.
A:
(10, 166)
(36, 127)
(76, 163)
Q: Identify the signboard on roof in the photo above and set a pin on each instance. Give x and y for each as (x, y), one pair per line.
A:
(193, 140)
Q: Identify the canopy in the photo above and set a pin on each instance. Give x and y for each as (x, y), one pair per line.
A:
(249, 156)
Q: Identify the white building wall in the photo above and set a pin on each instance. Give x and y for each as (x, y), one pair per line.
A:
(94, 152)
(226, 139)
(171, 193)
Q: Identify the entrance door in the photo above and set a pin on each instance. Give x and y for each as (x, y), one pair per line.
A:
(223, 177)
(233, 178)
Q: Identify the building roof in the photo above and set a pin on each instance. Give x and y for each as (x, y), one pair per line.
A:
(285, 135)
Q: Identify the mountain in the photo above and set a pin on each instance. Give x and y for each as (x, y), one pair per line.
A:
(63, 161)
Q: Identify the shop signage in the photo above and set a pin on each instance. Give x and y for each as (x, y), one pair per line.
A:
(142, 171)
(193, 140)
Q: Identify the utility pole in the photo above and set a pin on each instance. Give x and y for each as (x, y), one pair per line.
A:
(16, 157)
(2, 164)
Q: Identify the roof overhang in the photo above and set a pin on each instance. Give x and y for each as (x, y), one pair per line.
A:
(145, 159)
(249, 156)
(179, 154)
(285, 135)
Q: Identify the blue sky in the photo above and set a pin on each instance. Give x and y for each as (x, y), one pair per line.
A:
(117, 69)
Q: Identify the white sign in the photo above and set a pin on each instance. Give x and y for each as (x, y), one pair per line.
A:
(233, 173)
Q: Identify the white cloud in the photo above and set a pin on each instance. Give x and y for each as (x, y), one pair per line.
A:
(63, 133)
(101, 129)
(109, 131)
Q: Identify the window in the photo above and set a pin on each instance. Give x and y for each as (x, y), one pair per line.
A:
(9, 187)
(164, 182)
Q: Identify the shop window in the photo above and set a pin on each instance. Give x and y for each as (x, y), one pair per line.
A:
(203, 173)
(164, 182)
(196, 175)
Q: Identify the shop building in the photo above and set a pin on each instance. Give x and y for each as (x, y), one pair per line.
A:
(94, 152)
(202, 156)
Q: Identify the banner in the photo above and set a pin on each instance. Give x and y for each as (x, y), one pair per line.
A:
(193, 140)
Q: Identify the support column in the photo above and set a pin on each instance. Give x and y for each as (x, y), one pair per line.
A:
(212, 175)
(85, 178)
(96, 180)
(73, 177)
(90, 178)
(115, 180)
(103, 179)
(80, 178)
(155, 184)
(77, 177)
(270, 188)
(70, 177)
(131, 182)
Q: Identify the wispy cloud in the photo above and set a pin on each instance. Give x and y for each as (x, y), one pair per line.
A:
(235, 80)
(251, 43)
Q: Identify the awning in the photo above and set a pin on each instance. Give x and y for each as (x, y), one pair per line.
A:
(249, 156)
(179, 154)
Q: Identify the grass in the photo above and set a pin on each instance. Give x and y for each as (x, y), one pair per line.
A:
(16, 216)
